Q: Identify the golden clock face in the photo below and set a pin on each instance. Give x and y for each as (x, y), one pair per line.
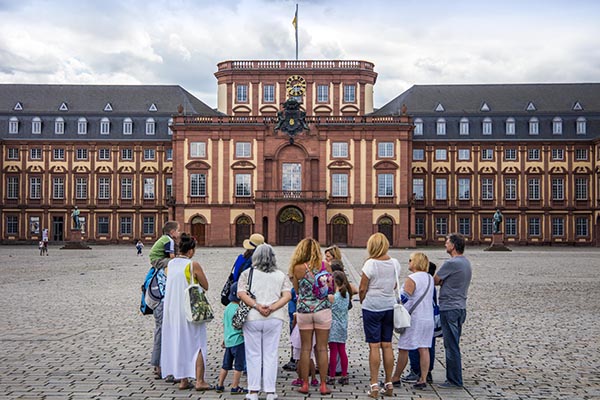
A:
(295, 85)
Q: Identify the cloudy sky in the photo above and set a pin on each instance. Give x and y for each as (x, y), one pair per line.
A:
(409, 41)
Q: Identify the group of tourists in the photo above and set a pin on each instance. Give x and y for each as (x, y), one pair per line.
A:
(314, 298)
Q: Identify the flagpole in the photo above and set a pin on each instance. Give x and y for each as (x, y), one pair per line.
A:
(296, 26)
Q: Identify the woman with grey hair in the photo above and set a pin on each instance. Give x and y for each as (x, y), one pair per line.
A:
(262, 330)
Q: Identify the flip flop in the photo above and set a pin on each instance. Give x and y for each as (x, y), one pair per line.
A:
(189, 385)
(203, 389)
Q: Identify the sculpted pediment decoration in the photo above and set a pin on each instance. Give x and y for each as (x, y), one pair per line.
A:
(58, 169)
(197, 165)
(269, 109)
(241, 109)
(349, 108)
(323, 109)
(12, 168)
(103, 169)
(35, 169)
(464, 170)
(81, 169)
(598, 169)
(418, 170)
(441, 170)
(149, 169)
(168, 170)
(510, 170)
(243, 165)
(339, 164)
(557, 170)
(487, 170)
(584, 170)
(533, 170)
(385, 165)
(126, 169)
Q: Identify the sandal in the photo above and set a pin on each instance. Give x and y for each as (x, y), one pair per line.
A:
(373, 392)
(187, 385)
(324, 389)
(344, 380)
(330, 380)
(389, 389)
(304, 388)
(202, 389)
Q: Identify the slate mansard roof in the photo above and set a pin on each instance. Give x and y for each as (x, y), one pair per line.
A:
(498, 102)
(94, 102)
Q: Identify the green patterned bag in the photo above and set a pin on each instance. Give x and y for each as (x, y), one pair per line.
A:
(197, 307)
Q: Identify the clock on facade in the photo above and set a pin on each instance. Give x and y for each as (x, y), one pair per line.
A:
(295, 85)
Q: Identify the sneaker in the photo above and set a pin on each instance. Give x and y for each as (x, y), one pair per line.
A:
(219, 389)
(410, 377)
(421, 385)
(344, 380)
(297, 382)
(290, 366)
(448, 385)
(238, 390)
(314, 382)
(429, 377)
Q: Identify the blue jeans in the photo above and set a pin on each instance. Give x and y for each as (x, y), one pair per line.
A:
(415, 359)
(452, 321)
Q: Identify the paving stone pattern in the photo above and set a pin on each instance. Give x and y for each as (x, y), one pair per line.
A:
(70, 326)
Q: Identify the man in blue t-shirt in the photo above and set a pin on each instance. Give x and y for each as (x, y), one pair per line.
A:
(454, 278)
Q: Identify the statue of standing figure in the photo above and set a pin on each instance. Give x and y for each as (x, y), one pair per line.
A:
(497, 221)
(75, 216)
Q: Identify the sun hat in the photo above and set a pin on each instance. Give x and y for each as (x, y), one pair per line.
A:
(254, 241)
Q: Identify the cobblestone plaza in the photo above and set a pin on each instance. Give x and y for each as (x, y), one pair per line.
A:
(71, 327)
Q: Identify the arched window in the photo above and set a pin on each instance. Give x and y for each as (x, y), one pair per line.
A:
(127, 126)
(510, 126)
(59, 126)
(581, 126)
(557, 126)
(487, 126)
(150, 126)
(170, 123)
(104, 126)
(464, 126)
(82, 126)
(418, 127)
(36, 125)
(13, 125)
(441, 126)
(534, 126)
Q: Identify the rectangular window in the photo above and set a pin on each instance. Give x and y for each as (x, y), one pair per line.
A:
(36, 126)
(149, 188)
(418, 154)
(104, 188)
(58, 188)
(510, 154)
(534, 189)
(510, 126)
(557, 127)
(581, 188)
(242, 149)
(533, 154)
(418, 127)
(12, 225)
(81, 188)
(197, 149)
(81, 154)
(104, 154)
(440, 154)
(464, 127)
(104, 127)
(487, 154)
(126, 226)
(558, 189)
(269, 93)
(339, 150)
(464, 188)
(440, 127)
(464, 226)
(534, 127)
(581, 226)
(150, 126)
(558, 227)
(58, 154)
(169, 154)
(487, 189)
(349, 93)
(291, 177)
(35, 188)
(82, 126)
(13, 153)
(149, 154)
(241, 93)
(103, 226)
(12, 187)
(339, 185)
(510, 188)
(581, 126)
(581, 154)
(557, 154)
(35, 153)
(510, 226)
(59, 126)
(126, 188)
(148, 226)
(385, 150)
(127, 154)
(441, 189)
(464, 154)
(420, 226)
(419, 188)
(127, 126)
(322, 93)
(385, 185)
(168, 187)
(198, 185)
(487, 127)
(534, 226)
(441, 226)
(486, 226)
(243, 186)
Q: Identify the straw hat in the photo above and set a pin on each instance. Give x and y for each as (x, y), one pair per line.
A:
(254, 241)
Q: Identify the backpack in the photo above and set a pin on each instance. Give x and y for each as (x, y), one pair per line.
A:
(144, 308)
(230, 281)
(323, 284)
(155, 291)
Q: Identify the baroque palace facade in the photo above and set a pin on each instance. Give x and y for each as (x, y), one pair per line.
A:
(437, 159)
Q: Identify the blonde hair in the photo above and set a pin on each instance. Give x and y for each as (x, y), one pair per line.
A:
(335, 252)
(377, 245)
(307, 251)
(420, 262)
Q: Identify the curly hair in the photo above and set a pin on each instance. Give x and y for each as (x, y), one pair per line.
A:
(263, 258)
(307, 251)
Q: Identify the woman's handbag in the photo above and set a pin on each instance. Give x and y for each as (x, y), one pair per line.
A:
(401, 315)
(241, 314)
(196, 306)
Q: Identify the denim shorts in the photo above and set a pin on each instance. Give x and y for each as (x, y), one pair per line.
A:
(234, 357)
(378, 325)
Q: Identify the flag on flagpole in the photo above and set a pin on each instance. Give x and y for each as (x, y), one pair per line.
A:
(295, 23)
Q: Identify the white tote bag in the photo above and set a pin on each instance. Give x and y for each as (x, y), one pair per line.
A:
(401, 315)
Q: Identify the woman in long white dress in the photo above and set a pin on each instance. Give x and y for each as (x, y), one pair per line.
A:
(184, 343)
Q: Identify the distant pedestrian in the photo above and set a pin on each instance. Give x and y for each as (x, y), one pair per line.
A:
(139, 246)
(45, 240)
(42, 247)
(454, 277)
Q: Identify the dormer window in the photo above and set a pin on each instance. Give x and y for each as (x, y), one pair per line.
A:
(82, 126)
(534, 126)
(581, 126)
(510, 126)
(464, 126)
(169, 126)
(59, 126)
(557, 126)
(418, 127)
(127, 126)
(104, 126)
(440, 126)
(487, 126)
(36, 125)
(150, 126)
(13, 125)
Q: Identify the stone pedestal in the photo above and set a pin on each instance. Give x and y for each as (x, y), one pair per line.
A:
(75, 242)
(497, 243)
